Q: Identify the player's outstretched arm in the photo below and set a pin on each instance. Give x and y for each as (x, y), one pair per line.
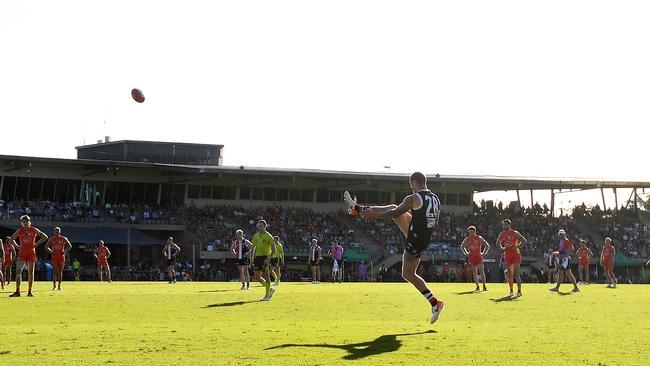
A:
(389, 212)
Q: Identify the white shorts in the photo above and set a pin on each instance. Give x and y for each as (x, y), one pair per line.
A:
(335, 266)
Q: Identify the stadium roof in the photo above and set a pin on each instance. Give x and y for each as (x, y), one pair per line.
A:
(480, 183)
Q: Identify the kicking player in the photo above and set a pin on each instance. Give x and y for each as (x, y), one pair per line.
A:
(102, 254)
(277, 260)
(58, 246)
(314, 259)
(475, 247)
(170, 252)
(510, 241)
(607, 261)
(417, 217)
(564, 262)
(8, 259)
(584, 254)
(27, 253)
(242, 249)
(263, 249)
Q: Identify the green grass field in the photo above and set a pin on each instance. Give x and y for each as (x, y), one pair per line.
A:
(327, 324)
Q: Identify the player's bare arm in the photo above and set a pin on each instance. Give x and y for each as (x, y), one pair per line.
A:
(463, 247)
(389, 212)
(486, 246)
(177, 250)
(43, 237)
(67, 246)
(499, 243)
(522, 241)
(48, 246)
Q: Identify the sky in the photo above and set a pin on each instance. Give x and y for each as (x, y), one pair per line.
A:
(512, 88)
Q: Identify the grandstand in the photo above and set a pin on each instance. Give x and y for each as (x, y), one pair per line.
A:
(133, 194)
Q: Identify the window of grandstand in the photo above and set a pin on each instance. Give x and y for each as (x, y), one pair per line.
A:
(193, 191)
(307, 195)
(464, 199)
(137, 194)
(399, 196)
(269, 194)
(244, 193)
(294, 195)
(172, 194)
(451, 199)
(373, 197)
(206, 191)
(22, 188)
(322, 195)
(336, 196)
(124, 192)
(258, 194)
(384, 197)
(283, 194)
(151, 193)
(35, 188)
(217, 192)
(48, 189)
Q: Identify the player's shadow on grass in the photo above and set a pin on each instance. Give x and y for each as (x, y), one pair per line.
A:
(383, 344)
(466, 293)
(227, 304)
(502, 299)
(218, 290)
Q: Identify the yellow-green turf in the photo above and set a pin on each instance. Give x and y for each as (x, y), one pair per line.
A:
(138, 323)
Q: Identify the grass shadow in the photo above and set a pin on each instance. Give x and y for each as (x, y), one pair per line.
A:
(227, 304)
(502, 299)
(382, 344)
(564, 293)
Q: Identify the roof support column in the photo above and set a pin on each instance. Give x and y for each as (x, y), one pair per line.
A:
(518, 199)
(552, 202)
(615, 199)
(602, 194)
(159, 194)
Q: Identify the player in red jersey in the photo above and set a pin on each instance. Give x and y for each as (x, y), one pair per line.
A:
(9, 247)
(27, 254)
(607, 261)
(2, 278)
(58, 245)
(475, 247)
(584, 255)
(510, 241)
(102, 254)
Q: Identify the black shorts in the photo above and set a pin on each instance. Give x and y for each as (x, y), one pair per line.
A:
(244, 262)
(416, 247)
(340, 263)
(171, 262)
(314, 263)
(260, 264)
(275, 262)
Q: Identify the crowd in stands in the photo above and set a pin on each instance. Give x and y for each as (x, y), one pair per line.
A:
(213, 226)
